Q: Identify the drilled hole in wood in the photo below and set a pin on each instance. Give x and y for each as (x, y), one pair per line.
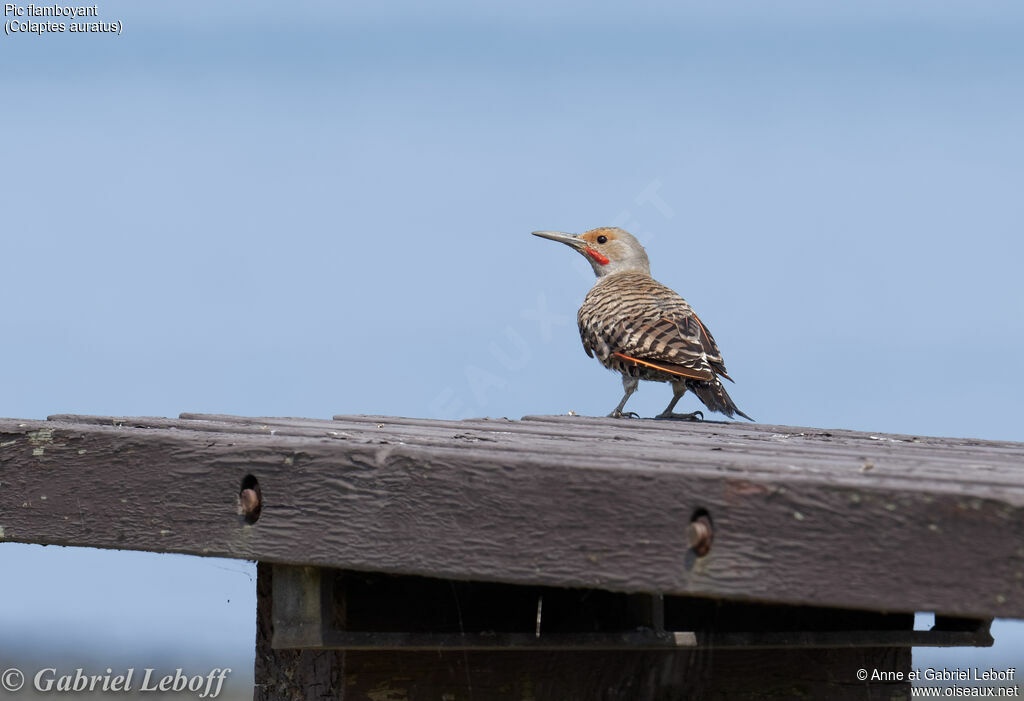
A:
(250, 499)
(699, 532)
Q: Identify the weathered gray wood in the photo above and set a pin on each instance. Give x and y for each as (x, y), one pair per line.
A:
(884, 456)
(829, 518)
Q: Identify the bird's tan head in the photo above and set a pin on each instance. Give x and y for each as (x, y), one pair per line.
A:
(609, 249)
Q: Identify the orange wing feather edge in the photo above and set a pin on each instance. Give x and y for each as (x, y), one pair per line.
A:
(692, 374)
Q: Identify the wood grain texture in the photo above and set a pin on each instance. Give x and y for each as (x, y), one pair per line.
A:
(802, 516)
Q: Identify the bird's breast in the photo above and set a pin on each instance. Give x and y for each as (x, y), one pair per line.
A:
(616, 306)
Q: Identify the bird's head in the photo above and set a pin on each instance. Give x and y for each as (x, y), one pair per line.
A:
(609, 249)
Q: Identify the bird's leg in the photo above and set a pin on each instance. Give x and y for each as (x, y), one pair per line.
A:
(678, 390)
(629, 384)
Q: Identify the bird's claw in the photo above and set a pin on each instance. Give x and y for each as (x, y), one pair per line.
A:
(692, 416)
(623, 415)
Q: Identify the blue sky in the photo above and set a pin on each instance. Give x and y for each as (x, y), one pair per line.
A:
(326, 209)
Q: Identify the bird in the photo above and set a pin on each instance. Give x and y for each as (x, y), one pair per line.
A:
(644, 330)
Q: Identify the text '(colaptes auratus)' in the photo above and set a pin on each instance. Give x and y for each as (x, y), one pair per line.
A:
(641, 328)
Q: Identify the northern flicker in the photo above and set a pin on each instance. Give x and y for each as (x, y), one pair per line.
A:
(644, 330)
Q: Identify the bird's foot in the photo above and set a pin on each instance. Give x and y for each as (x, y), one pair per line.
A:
(692, 416)
(623, 415)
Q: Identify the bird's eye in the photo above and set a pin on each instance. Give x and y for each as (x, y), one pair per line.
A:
(602, 239)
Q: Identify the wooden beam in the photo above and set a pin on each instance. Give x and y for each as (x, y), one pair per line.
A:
(390, 612)
(356, 600)
(799, 516)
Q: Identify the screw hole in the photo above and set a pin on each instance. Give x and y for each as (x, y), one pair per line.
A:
(700, 533)
(250, 499)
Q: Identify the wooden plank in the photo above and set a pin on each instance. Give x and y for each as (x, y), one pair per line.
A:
(795, 460)
(809, 530)
(806, 453)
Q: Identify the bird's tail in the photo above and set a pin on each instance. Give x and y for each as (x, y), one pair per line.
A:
(715, 398)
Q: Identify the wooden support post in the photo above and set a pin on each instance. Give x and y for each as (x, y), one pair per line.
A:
(290, 674)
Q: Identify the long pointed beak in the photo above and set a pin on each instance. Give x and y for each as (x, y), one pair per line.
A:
(568, 239)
